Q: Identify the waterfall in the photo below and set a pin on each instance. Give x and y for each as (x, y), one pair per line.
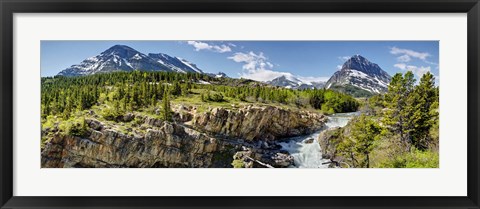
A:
(307, 153)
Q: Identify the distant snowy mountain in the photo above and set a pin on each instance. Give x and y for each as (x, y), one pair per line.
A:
(221, 75)
(124, 58)
(292, 82)
(357, 72)
(217, 75)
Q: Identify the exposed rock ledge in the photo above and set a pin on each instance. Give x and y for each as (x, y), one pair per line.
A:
(259, 122)
(169, 145)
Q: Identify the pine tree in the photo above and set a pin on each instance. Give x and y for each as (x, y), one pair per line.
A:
(365, 132)
(424, 113)
(166, 107)
(400, 106)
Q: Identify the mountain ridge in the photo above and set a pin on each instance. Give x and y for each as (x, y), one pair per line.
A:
(125, 58)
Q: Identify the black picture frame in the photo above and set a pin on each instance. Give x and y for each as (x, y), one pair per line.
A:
(10, 7)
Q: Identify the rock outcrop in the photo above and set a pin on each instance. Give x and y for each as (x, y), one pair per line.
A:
(258, 122)
(165, 145)
(328, 140)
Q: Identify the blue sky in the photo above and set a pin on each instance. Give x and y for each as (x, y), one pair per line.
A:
(260, 60)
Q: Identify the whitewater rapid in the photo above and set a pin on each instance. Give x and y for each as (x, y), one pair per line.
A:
(309, 155)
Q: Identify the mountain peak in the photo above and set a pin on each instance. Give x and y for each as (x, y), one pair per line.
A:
(120, 47)
(359, 72)
(120, 50)
(358, 62)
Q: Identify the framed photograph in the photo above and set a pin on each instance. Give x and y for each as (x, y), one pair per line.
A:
(264, 104)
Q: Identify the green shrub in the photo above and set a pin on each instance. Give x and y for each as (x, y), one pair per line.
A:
(74, 127)
(50, 122)
(111, 114)
(238, 164)
(414, 159)
(215, 97)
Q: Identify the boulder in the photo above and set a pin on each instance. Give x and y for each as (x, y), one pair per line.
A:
(309, 140)
(283, 160)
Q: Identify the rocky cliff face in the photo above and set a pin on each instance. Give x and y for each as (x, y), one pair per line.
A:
(209, 139)
(164, 145)
(259, 123)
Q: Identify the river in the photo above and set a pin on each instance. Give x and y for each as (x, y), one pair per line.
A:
(309, 155)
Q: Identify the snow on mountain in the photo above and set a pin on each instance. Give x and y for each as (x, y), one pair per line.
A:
(124, 58)
(175, 63)
(217, 75)
(221, 75)
(292, 82)
(116, 58)
(360, 73)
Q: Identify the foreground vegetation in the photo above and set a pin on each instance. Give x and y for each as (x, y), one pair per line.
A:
(397, 129)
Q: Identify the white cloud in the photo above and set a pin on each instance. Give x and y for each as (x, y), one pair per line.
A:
(402, 66)
(344, 58)
(339, 67)
(264, 75)
(432, 63)
(418, 71)
(198, 45)
(404, 58)
(410, 53)
(311, 79)
(248, 57)
(257, 67)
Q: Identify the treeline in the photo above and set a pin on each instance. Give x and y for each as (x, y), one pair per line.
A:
(131, 91)
(126, 91)
(328, 101)
(398, 129)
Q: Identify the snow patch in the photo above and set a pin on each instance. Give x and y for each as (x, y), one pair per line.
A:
(203, 82)
(381, 82)
(128, 63)
(359, 74)
(188, 64)
(137, 56)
